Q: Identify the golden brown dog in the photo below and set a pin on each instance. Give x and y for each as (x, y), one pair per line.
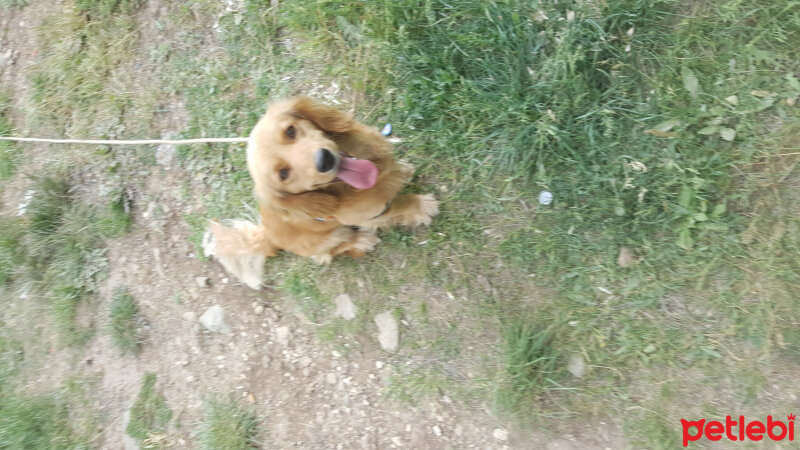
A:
(324, 184)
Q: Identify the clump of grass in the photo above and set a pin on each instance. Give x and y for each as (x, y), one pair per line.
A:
(124, 318)
(104, 8)
(150, 414)
(30, 421)
(9, 151)
(532, 363)
(51, 200)
(299, 283)
(8, 4)
(11, 355)
(228, 424)
(36, 422)
(12, 254)
(84, 51)
(64, 254)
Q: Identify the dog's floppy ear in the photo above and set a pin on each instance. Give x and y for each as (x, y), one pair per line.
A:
(326, 117)
(314, 204)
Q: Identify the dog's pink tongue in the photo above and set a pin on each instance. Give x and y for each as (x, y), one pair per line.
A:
(359, 173)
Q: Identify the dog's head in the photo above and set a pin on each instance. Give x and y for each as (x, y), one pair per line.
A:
(294, 152)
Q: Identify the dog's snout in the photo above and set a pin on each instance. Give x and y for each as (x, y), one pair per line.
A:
(325, 160)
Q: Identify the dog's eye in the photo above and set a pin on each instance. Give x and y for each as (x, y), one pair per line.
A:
(291, 132)
(284, 174)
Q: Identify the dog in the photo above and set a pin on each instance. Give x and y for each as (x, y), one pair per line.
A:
(324, 183)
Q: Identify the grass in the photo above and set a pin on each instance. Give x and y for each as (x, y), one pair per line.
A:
(84, 49)
(41, 422)
(32, 421)
(11, 252)
(150, 414)
(9, 4)
(64, 255)
(9, 151)
(532, 363)
(228, 424)
(124, 322)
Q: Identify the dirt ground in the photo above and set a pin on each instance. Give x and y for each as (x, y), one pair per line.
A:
(306, 394)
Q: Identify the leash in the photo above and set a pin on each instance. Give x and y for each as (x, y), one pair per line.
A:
(127, 142)
(387, 130)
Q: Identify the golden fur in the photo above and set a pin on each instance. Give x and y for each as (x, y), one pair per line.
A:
(311, 213)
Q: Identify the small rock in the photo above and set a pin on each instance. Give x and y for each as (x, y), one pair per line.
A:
(259, 309)
(283, 335)
(5, 59)
(500, 434)
(396, 441)
(165, 154)
(388, 332)
(625, 258)
(202, 282)
(576, 366)
(484, 283)
(330, 378)
(545, 197)
(437, 430)
(459, 430)
(214, 320)
(189, 316)
(265, 362)
(344, 307)
(150, 212)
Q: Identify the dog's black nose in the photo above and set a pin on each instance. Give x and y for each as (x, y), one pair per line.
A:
(325, 160)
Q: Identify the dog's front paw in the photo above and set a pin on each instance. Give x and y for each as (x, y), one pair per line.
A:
(322, 259)
(209, 243)
(406, 169)
(427, 210)
(227, 246)
(366, 241)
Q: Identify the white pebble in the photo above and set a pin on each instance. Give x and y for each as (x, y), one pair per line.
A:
(545, 197)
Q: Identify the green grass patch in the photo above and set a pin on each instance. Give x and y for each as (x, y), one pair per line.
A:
(12, 253)
(124, 322)
(36, 422)
(9, 151)
(105, 8)
(8, 4)
(12, 354)
(63, 253)
(82, 66)
(150, 414)
(299, 282)
(31, 421)
(228, 424)
(532, 362)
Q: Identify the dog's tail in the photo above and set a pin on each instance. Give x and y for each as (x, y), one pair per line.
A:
(241, 249)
